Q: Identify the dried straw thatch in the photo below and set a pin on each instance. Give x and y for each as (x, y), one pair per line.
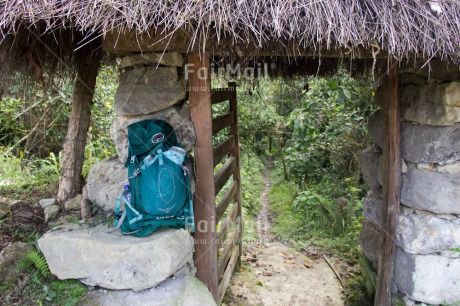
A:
(399, 28)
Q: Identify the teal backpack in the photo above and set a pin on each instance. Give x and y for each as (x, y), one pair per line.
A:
(160, 195)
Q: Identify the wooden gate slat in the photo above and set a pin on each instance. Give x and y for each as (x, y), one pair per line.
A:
(227, 225)
(219, 95)
(228, 197)
(228, 248)
(224, 173)
(221, 122)
(223, 149)
(228, 273)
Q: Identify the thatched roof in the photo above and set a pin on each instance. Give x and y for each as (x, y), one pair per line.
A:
(400, 28)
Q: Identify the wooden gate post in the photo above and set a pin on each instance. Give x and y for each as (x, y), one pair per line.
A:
(236, 153)
(391, 185)
(205, 207)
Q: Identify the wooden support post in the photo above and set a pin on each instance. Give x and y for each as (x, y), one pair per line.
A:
(391, 186)
(236, 153)
(73, 152)
(205, 208)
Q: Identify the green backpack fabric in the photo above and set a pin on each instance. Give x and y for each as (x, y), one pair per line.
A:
(159, 182)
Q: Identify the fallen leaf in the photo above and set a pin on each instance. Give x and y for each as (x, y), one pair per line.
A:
(259, 283)
(307, 265)
(241, 270)
(290, 261)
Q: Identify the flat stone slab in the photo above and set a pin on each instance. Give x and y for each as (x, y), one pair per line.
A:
(147, 90)
(105, 183)
(166, 59)
(100, 256)
(421, 143)
(431, 279)
(435, 69)
(184, 290)
(430, 144)
(178, 117)
(432, 104)
(432, 191)
(425, 233)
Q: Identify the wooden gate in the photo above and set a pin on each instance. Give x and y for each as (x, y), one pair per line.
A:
(218, 225)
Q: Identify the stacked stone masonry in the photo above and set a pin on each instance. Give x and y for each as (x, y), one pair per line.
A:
(427, 261)
(154, 270)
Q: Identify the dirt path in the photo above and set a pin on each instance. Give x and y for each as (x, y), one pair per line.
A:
(275, 274)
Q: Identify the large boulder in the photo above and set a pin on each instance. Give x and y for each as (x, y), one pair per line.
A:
(369, 161)
(147, 90)
(100, 256)
(180, 291)
(372, 206)
(429, 144)
(165, 59)
(178, 117)
(432, 104)
(431, 279)
(425, 233)
(105, 182)
(370, 240)
(432, 191)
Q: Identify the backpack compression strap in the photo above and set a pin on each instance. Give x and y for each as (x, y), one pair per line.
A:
(119, 221)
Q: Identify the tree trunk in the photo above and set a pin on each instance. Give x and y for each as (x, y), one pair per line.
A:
(73, 153)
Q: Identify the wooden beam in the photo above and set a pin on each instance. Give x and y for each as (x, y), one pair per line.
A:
(236, 153)
(391, 186)
(125, 42)
(228, 197)
(223, 149)
(224, 173)
(221, 122)
(205, 235)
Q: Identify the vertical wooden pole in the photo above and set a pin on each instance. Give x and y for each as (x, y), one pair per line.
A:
(205, 207)
(391, 186)
(236, 153)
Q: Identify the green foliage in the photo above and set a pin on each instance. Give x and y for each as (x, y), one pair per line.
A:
(328, 129)
(99, 145)
(38, 286)
(257, 114)
(37, 259)
(252, 169)
(17, 171)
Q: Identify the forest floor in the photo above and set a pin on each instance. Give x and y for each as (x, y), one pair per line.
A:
(273, 273)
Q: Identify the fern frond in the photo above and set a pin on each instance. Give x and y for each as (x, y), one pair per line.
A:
(39, 262)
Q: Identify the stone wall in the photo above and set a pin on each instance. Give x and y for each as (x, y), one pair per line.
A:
(151, 86)
(427, 261)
